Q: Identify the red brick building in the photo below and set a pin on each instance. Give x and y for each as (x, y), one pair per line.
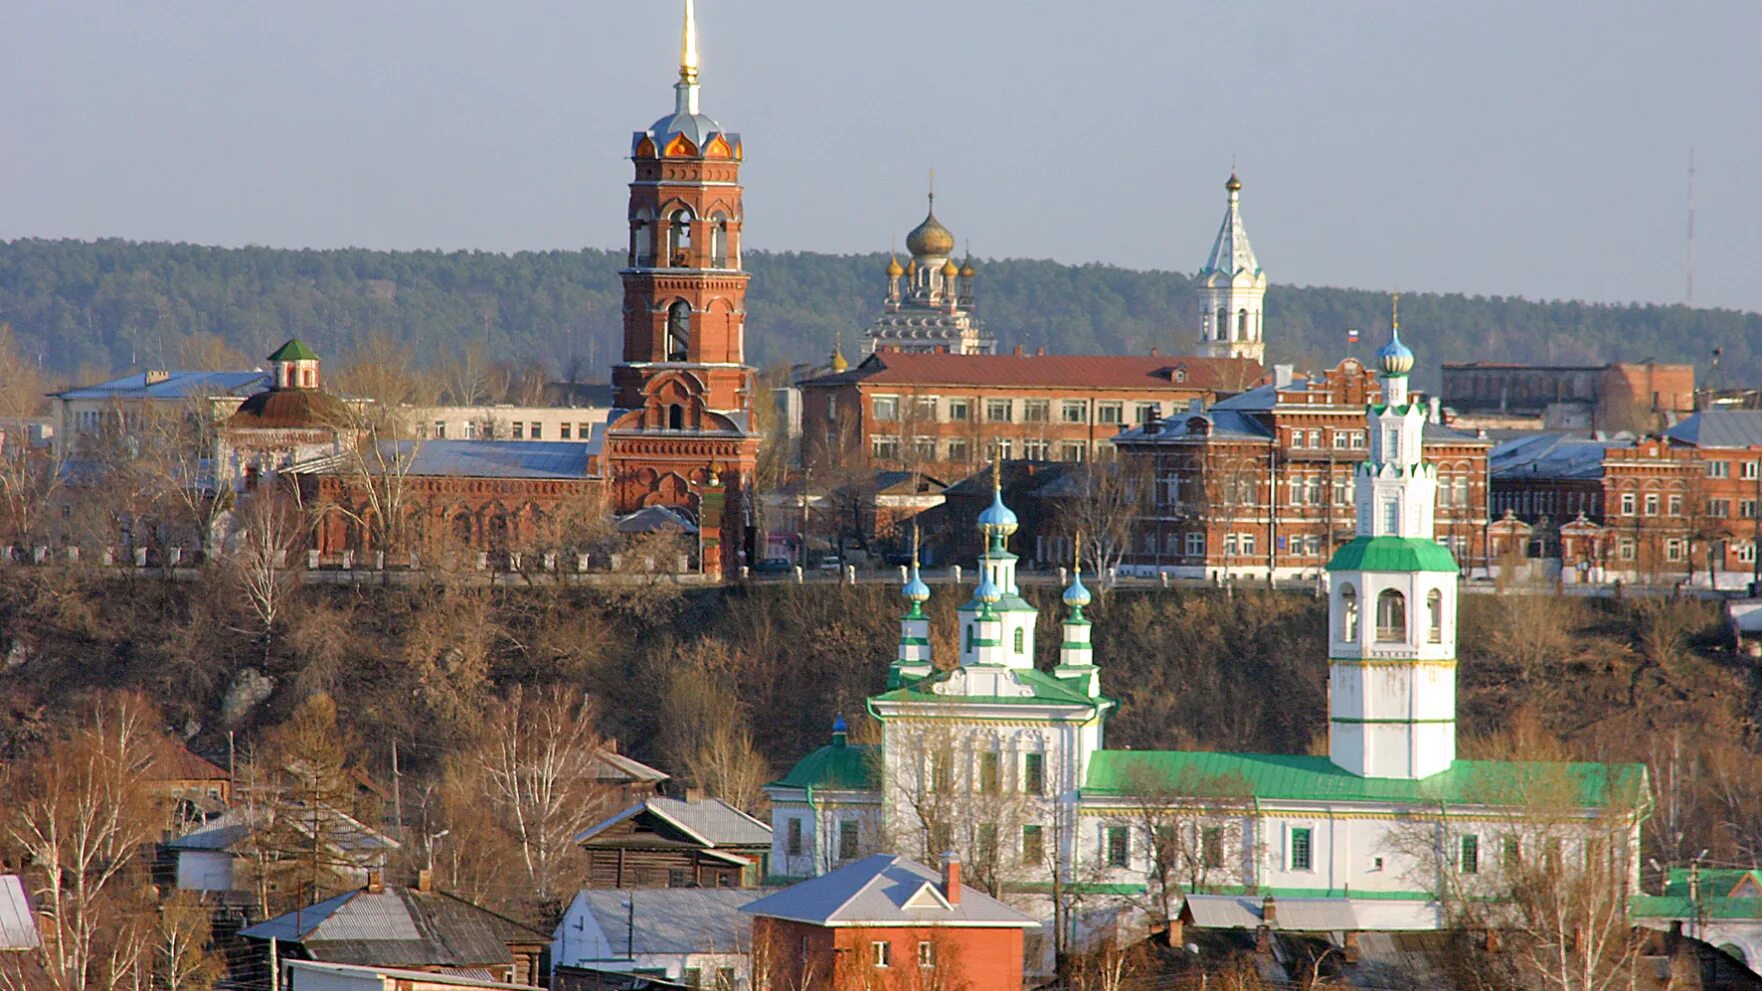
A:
(1641, 396)
(1263, 481)
(682, 434)
(1679, 506)
(949, 414)
(889, 924)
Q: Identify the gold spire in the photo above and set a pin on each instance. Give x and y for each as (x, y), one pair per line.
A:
(914, 547)
(688, 45)
(1077, 555)
(1395, 313)
(997, 472)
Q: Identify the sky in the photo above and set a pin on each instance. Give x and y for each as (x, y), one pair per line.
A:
(1485, 147)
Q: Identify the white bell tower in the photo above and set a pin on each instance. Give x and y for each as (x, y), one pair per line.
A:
(1232, 289)
(1392, 603)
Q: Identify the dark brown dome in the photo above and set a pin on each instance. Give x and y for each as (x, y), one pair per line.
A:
(290, 408)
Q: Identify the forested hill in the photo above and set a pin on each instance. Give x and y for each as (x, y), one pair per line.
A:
(91, 308)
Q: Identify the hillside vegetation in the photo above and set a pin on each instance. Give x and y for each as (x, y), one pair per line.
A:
(754, 677)
(87, 309)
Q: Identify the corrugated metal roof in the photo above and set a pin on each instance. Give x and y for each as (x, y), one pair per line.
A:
(461, 980)
(1244, 912)
(1317, 779)
(501, 459)
(18, 928)
(1065, 371)
(1719, 428)
(885, 890)
(181, 764)
(714, 820)
(840, 767)
(612, 766)
(177, 385)
(399, 927)
(1551, 456)
(674, 920)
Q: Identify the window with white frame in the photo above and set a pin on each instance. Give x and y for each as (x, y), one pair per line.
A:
(1036, 410)
(1675, 549)
(1719, 469)
(884, 447)
(1109, 413)
(1626, 549)
(1627, 504)
(1073, 411)
(881, 953)
(886, 408)
(1747, 469)
(1747, 552)
(960, 410)
(1037, 449)
(1196, 544)
(1302, 849)
(999, 410)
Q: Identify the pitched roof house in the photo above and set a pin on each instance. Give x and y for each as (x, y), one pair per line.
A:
(688, 935)
(675, 843)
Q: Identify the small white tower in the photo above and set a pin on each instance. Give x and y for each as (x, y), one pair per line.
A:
(1232, 289)
(914, 659)
(997, 624)
(1076, 652)
(1392, 604)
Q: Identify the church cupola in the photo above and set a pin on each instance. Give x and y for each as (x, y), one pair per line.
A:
(1396, 361)
(1232, 289)
(997, 624)
(294, 366)
(1076, 651)
(913, 660)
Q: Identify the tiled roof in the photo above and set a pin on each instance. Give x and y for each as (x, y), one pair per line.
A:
(671, 920)
(1719, 428)
(885, 890)
(711, 822)
(1062, 371)
(1317, 779)
(177, 385)
(18, 928)
(1551, 456)
(180, 764)
(398, 927)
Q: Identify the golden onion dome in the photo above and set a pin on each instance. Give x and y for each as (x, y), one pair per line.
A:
(950, 269)
(911, 267)
(967, 269)
(894, 270)
(1234, 184)
(838, 362)
(930, 238)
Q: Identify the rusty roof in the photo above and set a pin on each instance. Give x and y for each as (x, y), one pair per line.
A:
(180, 764)
(1064, 371)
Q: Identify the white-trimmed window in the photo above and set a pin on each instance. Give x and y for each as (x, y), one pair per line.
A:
(886, 408)
(884, 447)
(1109, 413)
(1073, 411)
(1626, 549)
(1627, 504)
(999, 410)
(881, 953)
(1348, 613)
(1719, 469)
(960, 410)
(1747, 469)
(1302, 847)
(1036, 410)
(1746, 552)
(1195, 544)
(1675, 549)
(926, 953)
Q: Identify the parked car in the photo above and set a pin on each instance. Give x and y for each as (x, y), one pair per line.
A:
(831, 562)
(774, 566)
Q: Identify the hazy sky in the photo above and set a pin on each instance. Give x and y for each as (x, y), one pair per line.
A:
(1484, 147)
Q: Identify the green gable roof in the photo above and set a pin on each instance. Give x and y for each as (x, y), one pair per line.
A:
(294, 350)
(839, 767)
(1204, 774)
(1393, 554)
(1046, 688)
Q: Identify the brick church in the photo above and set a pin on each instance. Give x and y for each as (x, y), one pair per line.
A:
(682, 433)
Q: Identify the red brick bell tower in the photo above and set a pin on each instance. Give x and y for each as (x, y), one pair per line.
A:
(682, 435)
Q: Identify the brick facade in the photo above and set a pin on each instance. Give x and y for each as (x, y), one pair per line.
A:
(824, 958)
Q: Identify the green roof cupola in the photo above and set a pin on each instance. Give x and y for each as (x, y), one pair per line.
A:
(295, 366)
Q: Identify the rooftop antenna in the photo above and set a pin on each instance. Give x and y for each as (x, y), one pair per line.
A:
(1689, 294)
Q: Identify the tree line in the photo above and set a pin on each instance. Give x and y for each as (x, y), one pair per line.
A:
(87, 309)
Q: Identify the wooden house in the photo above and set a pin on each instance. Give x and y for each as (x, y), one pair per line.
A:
(674, 843)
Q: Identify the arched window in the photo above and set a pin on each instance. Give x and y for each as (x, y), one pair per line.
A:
(675, 417)
(678, 330)
(1391, 617)
(1021, 640)
(1223, 322)
(679, 239)
(718, 241)
(1242, 325)
(1348, 614)
(1435, 616)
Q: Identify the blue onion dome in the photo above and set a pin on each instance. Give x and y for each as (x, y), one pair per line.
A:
(1077, 596)
(997, 518)
(987, 592)
(915, 590)
(1395, 357)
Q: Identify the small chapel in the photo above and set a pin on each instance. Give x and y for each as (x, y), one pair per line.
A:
(1007, 764)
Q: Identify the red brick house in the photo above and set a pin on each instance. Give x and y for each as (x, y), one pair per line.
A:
(1263, 481)
(884, 922)
(948, 414)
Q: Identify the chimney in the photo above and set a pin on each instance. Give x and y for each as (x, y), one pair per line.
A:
(1350, 950)
(1263, 940)
(1156, 352)
(1492, 941)
(951, 877)
(1434, 409)
(1018, 351)
(156, 376)
(425, 880)
(376, 881)
(1269, 911)
(1040, 352)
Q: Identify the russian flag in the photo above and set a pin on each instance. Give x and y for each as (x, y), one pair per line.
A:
(1352, 335)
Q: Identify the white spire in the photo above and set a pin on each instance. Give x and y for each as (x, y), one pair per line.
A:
(1231, 255)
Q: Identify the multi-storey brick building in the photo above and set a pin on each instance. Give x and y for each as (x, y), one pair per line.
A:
(1642, 396)
(948, 414)
(1679, 506)
(1263, 481)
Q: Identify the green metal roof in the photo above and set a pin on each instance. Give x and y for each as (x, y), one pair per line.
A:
(294, 350)
(1393, 554)
(1046, 688)
(839, 767)
(1683, 907)
(1203, 774)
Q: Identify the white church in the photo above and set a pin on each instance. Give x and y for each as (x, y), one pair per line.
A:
(1008, 765)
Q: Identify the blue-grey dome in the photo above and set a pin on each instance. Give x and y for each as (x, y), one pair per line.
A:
(915, 590)
(1395, 357)
(997, 518)
(1077, 596)
(987, 590)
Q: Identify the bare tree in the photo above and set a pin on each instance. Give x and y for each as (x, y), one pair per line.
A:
(728, 766)
(1104, 503)
(266, 536)
(533, 770)
(82, 811)
(182, 937)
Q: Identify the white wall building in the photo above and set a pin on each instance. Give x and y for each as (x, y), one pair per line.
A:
(1232, 290)
(694, 936)
(1008, 764)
